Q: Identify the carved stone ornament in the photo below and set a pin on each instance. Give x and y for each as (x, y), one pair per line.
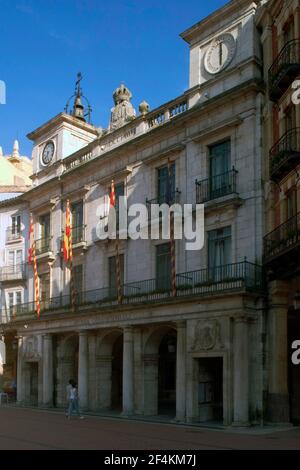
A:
(123, 111)
(31, 348)
(207, 336)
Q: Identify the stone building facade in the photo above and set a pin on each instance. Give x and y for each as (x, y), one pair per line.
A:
(199, 356)
(279, 22)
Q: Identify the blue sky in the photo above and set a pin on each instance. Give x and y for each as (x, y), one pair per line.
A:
(44, 43)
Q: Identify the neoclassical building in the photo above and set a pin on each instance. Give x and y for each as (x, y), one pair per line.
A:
(198, 356)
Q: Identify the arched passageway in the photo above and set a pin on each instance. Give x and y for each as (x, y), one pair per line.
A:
(160, 372)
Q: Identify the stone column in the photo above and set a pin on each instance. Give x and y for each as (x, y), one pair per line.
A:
(278, 399)
(181, 372)
(241, 372)
(92, 382)
(83, 375)
(47, 370)
(128, 370)
(20, 372)
(151, 384)
(104, 382)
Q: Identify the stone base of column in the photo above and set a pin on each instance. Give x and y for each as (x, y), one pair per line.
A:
(127, 414)
(278, 409)
(179, 419)
(240, 424)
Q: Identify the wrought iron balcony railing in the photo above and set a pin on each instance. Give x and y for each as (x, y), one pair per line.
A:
(243, 276)
(216, 186)
(285, 154)
(13, 273)
(43, 245)
(284, 69)
(78, 234)
(282, 239)
(173, 198)
(13, 233)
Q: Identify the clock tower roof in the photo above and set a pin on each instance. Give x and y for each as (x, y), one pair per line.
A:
(57, 121)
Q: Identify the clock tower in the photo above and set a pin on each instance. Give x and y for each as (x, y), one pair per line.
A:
(222, 47)
(62, 136)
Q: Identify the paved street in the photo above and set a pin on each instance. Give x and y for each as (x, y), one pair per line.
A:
(25, 429)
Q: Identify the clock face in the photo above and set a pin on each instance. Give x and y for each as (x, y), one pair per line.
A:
(220, 53)
(48, 153)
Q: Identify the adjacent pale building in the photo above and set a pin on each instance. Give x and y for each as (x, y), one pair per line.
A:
(15, 172)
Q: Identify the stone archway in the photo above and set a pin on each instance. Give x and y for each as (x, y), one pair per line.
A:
(160, 372)
(109, 370)
(67, 366)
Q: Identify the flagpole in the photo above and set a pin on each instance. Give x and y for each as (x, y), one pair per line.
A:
(72, 287)
(36, 282)
(68, 253)
(118, 264)
(32, 261)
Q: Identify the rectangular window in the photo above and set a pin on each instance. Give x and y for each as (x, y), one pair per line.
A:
(18, 298)
(15, 257)
(11, 300)
(166, 184)
(77, 214)
(45, 226)
(219, 253)
(45, 287)
(291, 199)
(120, 191)
(289, 31)
(112, 273)
(290, 120)
(219, 166)
(163, 266)
(78, 278)
(16, 225)
(77, 222)
(219, 158)
(14, 299)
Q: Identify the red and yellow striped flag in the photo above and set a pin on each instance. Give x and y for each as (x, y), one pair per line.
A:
(32, 261)
(112, 201)
(68, 252)
(68, 235)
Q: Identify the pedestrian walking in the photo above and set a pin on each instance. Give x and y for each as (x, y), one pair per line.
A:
(73, 400)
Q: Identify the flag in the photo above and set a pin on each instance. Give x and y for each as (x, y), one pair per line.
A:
(112, 201)
(68, 235)
(30, 241)
(68, 252)
(32, 261)
(172, 239)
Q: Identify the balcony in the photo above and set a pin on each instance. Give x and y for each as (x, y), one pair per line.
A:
(285, 155)
(43, 248)
(282, 249)
(165, 199)
(285, 69)
(13, 273)
(216, 187)
(13, 234)
(78, 239)
(232, 278)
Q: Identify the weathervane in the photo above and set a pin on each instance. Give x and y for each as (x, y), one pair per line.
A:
(79, 110)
